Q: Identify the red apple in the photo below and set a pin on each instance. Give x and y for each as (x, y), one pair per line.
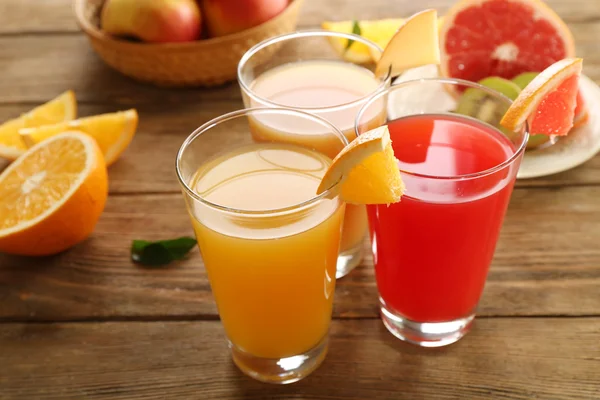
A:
(155, 21)
(224, 17)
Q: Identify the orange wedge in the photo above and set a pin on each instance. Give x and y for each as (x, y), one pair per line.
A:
(62, 108)
(367, 170)
(415, 44)
(113, 132)
(548, 102)
(52, 196)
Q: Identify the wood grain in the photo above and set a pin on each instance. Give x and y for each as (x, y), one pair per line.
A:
(162, 131)
(500, 359)
(35, 16)
(40, 66)
(547, 263)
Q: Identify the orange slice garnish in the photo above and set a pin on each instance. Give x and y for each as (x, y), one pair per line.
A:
(366, 170)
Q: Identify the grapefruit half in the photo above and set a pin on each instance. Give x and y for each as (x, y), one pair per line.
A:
(482, 38)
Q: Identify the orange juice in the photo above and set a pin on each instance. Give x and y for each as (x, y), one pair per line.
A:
(272, 273)
(334, 90)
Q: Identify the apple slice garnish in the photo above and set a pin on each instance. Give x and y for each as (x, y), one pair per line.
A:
(415, 44)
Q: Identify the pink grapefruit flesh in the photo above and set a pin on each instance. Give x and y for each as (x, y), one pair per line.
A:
(556, 112)
(482, 38)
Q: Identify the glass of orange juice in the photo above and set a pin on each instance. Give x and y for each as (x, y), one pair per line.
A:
(268, 242)
(304, 71)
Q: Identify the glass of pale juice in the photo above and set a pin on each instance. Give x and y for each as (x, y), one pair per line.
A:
(304, 71)
(432, 250)
(268, 242)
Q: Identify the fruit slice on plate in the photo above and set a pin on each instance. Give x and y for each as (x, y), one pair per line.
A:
(379, 32)
(113, 132)
(548, 102)
(415, 44)
(52, 196)
(502, 38)
(367, 170)
(62, 108)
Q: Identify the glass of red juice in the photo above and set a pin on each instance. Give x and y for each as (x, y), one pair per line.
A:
(433, 249)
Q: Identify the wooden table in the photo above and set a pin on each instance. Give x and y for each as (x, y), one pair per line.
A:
(90, 324)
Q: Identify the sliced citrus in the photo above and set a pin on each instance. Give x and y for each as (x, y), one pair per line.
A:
(367, 170)
(581, 111)
(52, 196)
(113, 132)
(62, 108)
(502, 38)
(548, 102)
(414, 44)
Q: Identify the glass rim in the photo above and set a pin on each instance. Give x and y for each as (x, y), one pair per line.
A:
(241, 113)
(451, 81)
(304, 34)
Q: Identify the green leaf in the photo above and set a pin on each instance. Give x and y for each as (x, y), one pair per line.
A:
(356, 31)
(161, 252)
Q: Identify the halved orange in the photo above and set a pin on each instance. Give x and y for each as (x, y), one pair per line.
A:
(62, 108)
(52, 196)
(548, 102)
(113, 132)
(367, 170)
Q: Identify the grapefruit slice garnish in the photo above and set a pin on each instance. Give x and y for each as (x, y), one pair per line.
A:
(366, 170)
(52, 196)
(548, 102)
(414, 44)
(481, 38)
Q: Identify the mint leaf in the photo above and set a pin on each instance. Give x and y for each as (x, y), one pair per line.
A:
(356, 31)
(161, 252)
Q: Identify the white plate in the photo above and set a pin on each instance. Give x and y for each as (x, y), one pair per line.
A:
(568, 152)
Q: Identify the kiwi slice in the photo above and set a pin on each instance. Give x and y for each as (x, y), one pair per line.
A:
(524, 79)
(479, 104)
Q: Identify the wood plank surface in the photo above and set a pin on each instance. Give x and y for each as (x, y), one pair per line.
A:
(40, 66)
(547, 263)
(500, 359)
(162, 131)
(45, 16)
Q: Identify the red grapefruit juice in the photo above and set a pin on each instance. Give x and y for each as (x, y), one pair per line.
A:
(432, 250)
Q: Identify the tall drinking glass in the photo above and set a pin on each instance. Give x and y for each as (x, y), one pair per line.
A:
(433, 249)
(303, 70)
(268, 242)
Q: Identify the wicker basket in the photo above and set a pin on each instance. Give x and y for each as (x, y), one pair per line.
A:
(206, 62)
